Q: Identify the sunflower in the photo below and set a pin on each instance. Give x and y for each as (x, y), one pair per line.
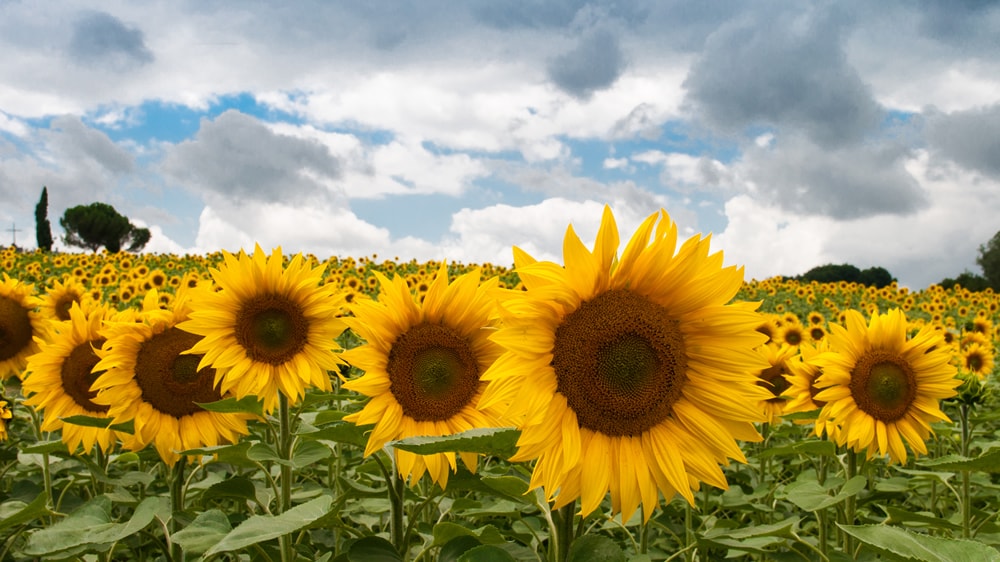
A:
(54, 305)
(268, 329)
(628, 375)
(792, 333)
(19, 323)
(801, 388)
(422, 365)
(58, 378)
(977, 359)
(773, 378)
(5, 416)
(881, 387)
(148, 377)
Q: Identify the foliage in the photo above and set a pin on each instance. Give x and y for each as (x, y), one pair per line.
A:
(830, 273)
(989, 260)
(43, 229)
(966, 279)
(99, 224)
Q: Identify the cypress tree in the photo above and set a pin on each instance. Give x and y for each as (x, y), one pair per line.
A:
(43, 230)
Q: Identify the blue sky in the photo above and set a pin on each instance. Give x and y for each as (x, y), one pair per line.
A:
(796, 133)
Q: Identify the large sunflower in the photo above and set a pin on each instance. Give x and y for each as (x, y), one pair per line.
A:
(422, 365)
(630, 375)
(881, 387)
(268, 329)
(150, 378)
(19, 323)
(774, 377)
(58, 378)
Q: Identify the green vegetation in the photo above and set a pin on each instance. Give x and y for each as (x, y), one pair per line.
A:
(99, 224)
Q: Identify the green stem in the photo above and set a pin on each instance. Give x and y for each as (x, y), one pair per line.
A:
(397, 527)
(566, 530)
(689, 543)
(850, 505)
(176, 506)
(644, 532)
(966, 495)
(823, 514)
(285, 453)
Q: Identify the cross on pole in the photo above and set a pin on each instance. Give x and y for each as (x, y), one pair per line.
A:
(13, 233)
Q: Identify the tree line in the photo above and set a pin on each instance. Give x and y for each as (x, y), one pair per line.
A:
(90, 226)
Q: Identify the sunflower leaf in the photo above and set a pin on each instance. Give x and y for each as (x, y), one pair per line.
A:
(595, 548)
(986, 462)
(260, 528)
(90, 529)
(897, 544)
(207, 529)
(811, 496)
(339, 432)
(42, 447)
(372, 549)
(247, 405)
(809, 448)
(235, 454)
(31, 511)
(495, 441)
(487, 553)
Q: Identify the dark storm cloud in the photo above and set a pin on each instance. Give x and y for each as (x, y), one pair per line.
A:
(101, 38)
(843, 183)
(237, 156)
(971, 138)
(782, 70)
(964, 24)
(550, 13)
(594, 64)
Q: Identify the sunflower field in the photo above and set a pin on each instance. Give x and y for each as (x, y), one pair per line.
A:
(639, 401)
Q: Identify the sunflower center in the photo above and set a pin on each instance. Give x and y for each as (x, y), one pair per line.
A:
(434, 372)
(974, 362)
(773, 379)
(15, 328)
(620, 362)
(77, 376)
(272, 329)
(63, 305)
(171, 382)
(883, 385)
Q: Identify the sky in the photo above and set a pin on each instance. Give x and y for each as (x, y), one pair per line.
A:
(796, 133)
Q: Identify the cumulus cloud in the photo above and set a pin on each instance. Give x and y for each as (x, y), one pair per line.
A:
(102, 39)
(843, 183)
(749, 75)
(237, 156)
(971, 138)
(593, 64)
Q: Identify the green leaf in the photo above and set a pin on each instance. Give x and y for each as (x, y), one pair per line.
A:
(260, 528)
(43, 447)
(594, 548)
(897, 544)
(308, 452)
(247, 405)
(204, 532)
(340, 432)
(91, 528)
(373, 549)
(235, 454)
(262, 452)
(452, 550)
(986, 462)
(496, 441)
(486, 553)
(784, 528)
(238, 487)
(811, 496)
(102, 423)
(446, 531)
(811, 448)
(898, 515)
(31, 511)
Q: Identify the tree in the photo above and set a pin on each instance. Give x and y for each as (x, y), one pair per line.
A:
(99, 224)
(989, 260)
(43, 229)
(874, 276)
(968, 280)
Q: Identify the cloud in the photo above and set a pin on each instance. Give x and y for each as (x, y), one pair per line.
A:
(595, 63)
(239, 157)
(72, 140)
(753, 75)
(843, 183)
(102, 39)
(971, 138)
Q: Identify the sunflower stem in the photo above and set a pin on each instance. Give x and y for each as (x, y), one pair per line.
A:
(850, 505)
(644, 532)
(966, 496)
(176, 506)
(566, 530)
(823, 514)
(36, 424)
(285, 453)
(397, 527)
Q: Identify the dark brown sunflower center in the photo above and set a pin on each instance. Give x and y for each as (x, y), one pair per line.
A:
(793, 336)
(65, 303)
(434, 372)
(883, 385)
(272, 329)
(974, 362)
(15, 328)
(171, 382)
(817, 334)
(77, 377)
(814, 390)
(620, 361)
(773, 379)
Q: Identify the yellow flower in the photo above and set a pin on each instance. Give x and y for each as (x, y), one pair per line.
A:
(5, 416)
(774, 379)
(801, 393)
(54, 305)
(881, 387)
(151, 378)
(422, 364)
(58, 378)
(978, 359)
(268, 329)
(19, 323)
(631, 374)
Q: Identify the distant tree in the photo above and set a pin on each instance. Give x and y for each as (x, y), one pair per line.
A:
(968, 280)
(43, 229)
(833, 273)
(99, 224)
(877, 277)
(989, 260)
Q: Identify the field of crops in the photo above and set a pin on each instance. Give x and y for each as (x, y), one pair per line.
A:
(635, 403)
